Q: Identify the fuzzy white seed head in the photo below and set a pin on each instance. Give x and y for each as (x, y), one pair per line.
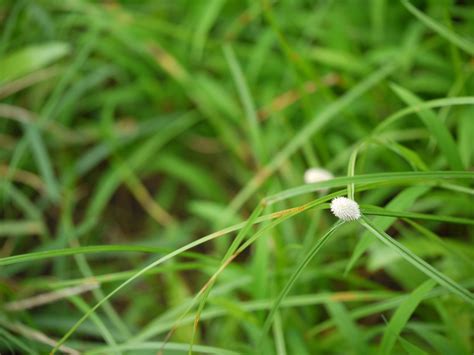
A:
(317, 175)
(345, 209)
(314, 175)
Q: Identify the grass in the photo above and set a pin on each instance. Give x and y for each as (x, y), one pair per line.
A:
(152, 157)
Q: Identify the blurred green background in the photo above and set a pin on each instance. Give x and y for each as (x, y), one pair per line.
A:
(129, 129)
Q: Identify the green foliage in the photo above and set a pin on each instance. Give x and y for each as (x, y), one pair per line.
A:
(152, 156)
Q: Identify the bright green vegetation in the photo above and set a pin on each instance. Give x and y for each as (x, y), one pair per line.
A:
(152, 156)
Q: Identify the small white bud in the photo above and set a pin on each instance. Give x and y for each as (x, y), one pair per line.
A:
(317, 175)
(314, 175)
(345, 209)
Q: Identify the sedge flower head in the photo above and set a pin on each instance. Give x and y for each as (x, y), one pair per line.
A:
(346, 209)
(314, 175)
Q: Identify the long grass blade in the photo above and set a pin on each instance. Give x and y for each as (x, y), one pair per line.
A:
(377, 211)
(417, 262)
(452, 37)
(392, 178)
(435, 126)
(291, 281)
(322, 119)
(250, 111)
(402, 315)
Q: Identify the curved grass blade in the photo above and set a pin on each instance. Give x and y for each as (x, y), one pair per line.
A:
(29, 59)
(378, 211)
(407, 154)
(412, 176)
(322, 119)
(233, 247)
(280, 218)
(411, 348)
(123, 275)
(43, 161)
(279, 336)
(144, 249)
(255, 134)
(377, 308)
(203, 292)
(417, 262)
(102, 328)
(402, 315)
(20, 228)
(299, 269)
(452, 37)
(448, 248)
(402, 201)
(188, 307)
(47, 254)
(23, 345)
(181, 347)
(351, 169)
(207, 18)
(445, 102)
(347, 327)
(164, 324)
(128, 281)
(436, 127)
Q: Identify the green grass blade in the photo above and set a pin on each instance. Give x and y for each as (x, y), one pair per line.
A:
(125, 283)
(123, 275)
(112, 178)
(456, 253)
(452, 37)
(446, 102)
(20, 228)
(280, 218)
(47, 254)
(24, 346)
(316, 124)
(156, 346)
(378, 211)
(145, 249)
(84, 307)
(411, 348)
(161, 325)
(29, 59)
(351, 170)
(244, 231)
(417, 262)
(43, 161)
(439, 343)
(402, 316)
(294, 276)
(465, 129)
(279, 335)
(435, 126)
(208, 16)
(392, 178)
(157, 151)
(250, 111)
(408, 154)
(231, 250)
(347, 327)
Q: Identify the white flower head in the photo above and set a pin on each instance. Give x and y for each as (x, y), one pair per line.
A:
(313, 175)
(346, 209)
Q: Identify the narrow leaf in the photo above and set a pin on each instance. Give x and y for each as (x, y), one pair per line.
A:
(417, 262)
(299, 269)
(402, 316)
